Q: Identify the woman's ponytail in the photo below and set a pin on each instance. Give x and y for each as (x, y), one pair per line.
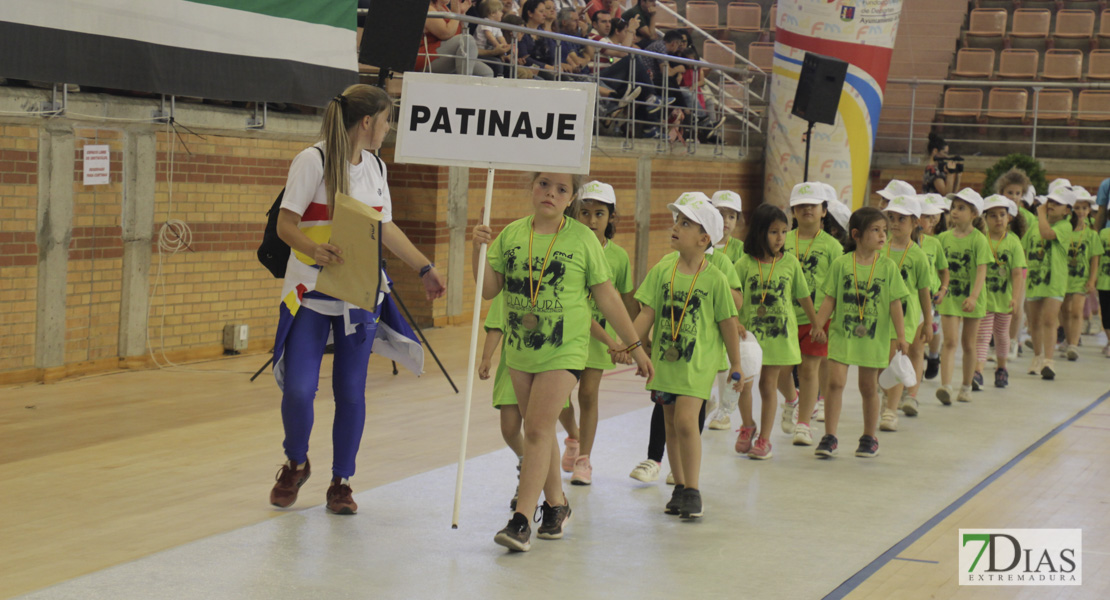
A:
(342, 113)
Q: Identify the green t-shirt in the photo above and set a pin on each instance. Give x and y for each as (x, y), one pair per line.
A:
(1029, 218)
(699, 340)
(815, 257)
(775, 290)
(964, 257)
(1006, 256)
(734, 250)
(930, 245)
(1048, 261)
(886, 286)
(561, 339)
(1085, 243)
(621, 268)
(1103, 282)
(917, 274)
(503, 392)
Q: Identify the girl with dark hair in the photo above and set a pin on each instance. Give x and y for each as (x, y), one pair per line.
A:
(863, 296)
(937, 172)
(1083, 254)
(772, 281)
(355, 123)
(1004, 278)
(1046, 250)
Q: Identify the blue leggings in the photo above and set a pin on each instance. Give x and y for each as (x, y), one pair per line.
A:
(304, 350)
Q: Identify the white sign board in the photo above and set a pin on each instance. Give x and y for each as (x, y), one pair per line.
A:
(97, 161)
(500, 123)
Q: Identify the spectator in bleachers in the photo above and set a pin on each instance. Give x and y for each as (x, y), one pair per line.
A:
(445, 48)
(645, 10)
(601, 25)
(612, 6)
(532, 50)
(492, 47)
(549, 15)
(704, 106)
(575, 58)
(939, 176)
(671, 44)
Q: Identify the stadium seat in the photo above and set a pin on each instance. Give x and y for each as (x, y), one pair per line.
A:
(1094, 105)
(1104, 27)
(962, 102)
(1063, 65)
(1074, 29)
(719, 56)
(703, 14)
(772, 19)
(987, 22)
(1054, 105)
(744, 16)
(1007, 103)
(762, 55)
(1030, 28)
(1019, 63)
(665, 19)
(734, 96)
(974, 63)
(1098, 65)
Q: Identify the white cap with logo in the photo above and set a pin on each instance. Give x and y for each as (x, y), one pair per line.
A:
(905, 205)
(840, 213)
(809, 192)
(596, 190)
(897, 187)
(999, 201)
(1030, 197)
(699, 208)
(1082, 195)
(971, 197)
(931, 204)
(1061, 195)
(1057, 184)
(727, 199)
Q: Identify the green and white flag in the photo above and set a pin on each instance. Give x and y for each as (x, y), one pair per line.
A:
(300, 51)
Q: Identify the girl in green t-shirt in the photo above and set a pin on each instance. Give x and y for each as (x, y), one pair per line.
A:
(1005, 276)
(596, 210)
(729, 205)
(959, 305)
(1083, 255)
(863, 297)
(933, 214)
(1046, 251)
(727, 251)
(547, 265)
(772, 281)
(1015, 186)
(917, 273)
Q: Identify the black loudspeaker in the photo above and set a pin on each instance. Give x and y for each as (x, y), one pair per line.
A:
(391, 35)
(819, 85)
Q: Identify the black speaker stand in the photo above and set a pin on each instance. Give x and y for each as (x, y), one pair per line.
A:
(809, 136)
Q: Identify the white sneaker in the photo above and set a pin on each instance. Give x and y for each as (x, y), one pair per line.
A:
(670, 478)
(647, 471)
(789, 416)
(1073, 352)
(908, 405)
(802, 435)
(720, 422)
(889, 421)
(819, 413)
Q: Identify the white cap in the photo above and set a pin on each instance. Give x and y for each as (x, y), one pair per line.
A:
(596, 190)
(1058, 183)
(840, 213)
(1062, 194)
(1082, 195)
(905, 205)
(807, 193)
(897, 187)
(931, 204)
(1039, 200)
(1030, 196)
(830, 192)
(727, 199)
(699, 208)
(1013, 208)
(971, 197)
(999, 201)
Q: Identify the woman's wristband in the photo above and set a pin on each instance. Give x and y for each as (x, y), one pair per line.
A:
(428, 267)
(633, 346)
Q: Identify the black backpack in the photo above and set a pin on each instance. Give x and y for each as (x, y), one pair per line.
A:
(273, 253)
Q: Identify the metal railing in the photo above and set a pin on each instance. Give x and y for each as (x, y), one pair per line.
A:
(729, 89)
(1029, 121)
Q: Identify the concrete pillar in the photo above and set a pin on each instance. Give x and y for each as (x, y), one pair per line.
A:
(137, 223)
(642, 217)
(458, 188)
(54, 228)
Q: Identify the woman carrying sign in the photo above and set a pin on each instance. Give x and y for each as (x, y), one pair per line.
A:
(355, 123)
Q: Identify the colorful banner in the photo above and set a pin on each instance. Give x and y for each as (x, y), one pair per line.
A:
(249, 50)
(859, 32)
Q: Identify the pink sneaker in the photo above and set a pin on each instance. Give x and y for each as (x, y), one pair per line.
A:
(744, 440)
(583, 471)
(761, 450)
(570, 454)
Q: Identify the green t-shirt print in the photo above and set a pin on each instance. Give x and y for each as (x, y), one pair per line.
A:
(1048, 261)
(621, 267)
(917, 273)
(964, 256)
(577, 262)
(1103, 281)
(777, 329)
(815, 256)
(886, 285)
(1085, 243)
(699, 340)
(1006, 255)
(930, 245)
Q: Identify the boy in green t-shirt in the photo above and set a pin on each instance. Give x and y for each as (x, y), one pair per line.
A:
(688, 306)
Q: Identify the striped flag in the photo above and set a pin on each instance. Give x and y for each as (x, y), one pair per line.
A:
(298, 51)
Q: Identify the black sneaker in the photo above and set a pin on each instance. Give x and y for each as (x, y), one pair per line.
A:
(512, 503)
(553, 517)
(976, 381)
(868, 447)
(517, 535)
(932, 366)
(1001, 378)
(691, 504)
(827, 446)
(674, 507)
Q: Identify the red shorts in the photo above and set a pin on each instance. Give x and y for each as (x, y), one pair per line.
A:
(809, 348)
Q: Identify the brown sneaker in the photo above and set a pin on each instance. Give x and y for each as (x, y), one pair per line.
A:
(340, 501)
(289, 482)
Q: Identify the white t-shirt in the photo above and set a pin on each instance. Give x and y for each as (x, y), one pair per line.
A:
(306, 195)
(483, 39)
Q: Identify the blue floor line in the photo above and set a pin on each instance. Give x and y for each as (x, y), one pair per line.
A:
(863, 574)
(931, 562)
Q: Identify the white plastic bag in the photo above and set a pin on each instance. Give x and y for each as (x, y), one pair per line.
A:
(900, 370)
(751, 356)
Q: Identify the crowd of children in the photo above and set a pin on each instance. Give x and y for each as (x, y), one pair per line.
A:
(818, 289)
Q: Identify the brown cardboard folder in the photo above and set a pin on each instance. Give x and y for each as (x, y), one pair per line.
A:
(356, 230)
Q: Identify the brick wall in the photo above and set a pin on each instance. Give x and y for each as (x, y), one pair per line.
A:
(18, 251)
